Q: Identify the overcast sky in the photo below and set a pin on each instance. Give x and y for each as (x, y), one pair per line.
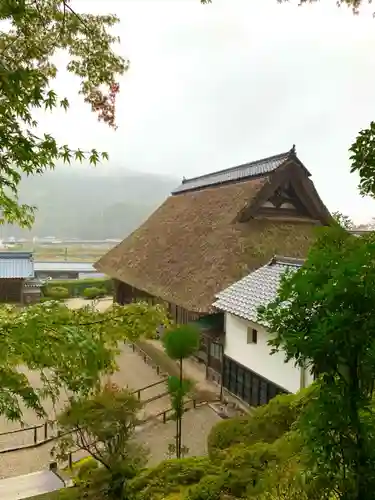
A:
(213, 86)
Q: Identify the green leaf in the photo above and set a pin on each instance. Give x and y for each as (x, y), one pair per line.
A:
(64, 103)
(29, 39)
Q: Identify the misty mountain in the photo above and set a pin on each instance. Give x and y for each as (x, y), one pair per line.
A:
(90, 203)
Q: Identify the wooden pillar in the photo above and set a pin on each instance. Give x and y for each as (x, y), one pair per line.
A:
(116, 286)
(302, 382)
(21, 291)
(208, 344)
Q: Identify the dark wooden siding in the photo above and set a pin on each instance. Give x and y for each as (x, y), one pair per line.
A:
(11, 290)
(248, 385)
(126, 294)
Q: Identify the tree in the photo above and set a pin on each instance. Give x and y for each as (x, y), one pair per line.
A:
(103, 425)
(353, 4)
(323, 317)
(363, 160)
(178, 389)
(69, 349)
(37, 31)
(343, 220)
(180, 343)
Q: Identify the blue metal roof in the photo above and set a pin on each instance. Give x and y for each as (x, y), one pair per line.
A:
(236, 174)
(16, 265)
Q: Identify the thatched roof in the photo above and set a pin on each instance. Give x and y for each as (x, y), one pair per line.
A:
(194, 244)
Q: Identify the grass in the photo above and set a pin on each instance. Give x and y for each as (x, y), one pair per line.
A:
(60, 253)
(54, 495)
(63, 494)
(160, 358)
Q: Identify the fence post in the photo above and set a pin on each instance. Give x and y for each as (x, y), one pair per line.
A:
(45, 431)
(194, 403)
(157, 369)
(139, 395)
(70, 460)
(35, 435)
(133, 347)
(164, 417)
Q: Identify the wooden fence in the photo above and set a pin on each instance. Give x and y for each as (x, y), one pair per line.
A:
(163, 416)
(46, 432)
(38, 435)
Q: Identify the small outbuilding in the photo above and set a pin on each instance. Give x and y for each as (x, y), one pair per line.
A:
(65, 270)
(16, 269)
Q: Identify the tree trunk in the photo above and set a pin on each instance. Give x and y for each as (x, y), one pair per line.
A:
(181, 412)
(361, 459)
(177, 435)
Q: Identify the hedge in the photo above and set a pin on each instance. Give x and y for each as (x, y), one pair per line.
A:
(76, 287)
(168, 477)
(92, 292)
(58, 292)
(266, 423)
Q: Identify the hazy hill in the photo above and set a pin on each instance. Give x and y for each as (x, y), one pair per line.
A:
(91, 203)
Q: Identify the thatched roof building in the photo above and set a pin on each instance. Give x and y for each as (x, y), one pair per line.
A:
(216, 228)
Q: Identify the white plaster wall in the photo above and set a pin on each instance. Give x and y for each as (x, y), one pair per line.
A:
(257, 357)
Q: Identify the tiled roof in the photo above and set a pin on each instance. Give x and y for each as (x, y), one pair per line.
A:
(16, 265)
(33, 283)
(235, 174)
(257, 289)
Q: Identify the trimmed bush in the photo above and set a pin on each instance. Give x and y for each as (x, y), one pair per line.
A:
(56, 292)
(209, 488)
(266, 423)
(167, 477)
(86, 467)
(76, 287)
(94, 292)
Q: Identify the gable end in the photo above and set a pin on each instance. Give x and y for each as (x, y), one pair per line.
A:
(289, 195)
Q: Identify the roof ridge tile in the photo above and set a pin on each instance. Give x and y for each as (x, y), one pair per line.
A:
(234, 174)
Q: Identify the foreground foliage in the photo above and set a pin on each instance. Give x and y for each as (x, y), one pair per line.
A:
(267, 423)
(31, 35)
(69, 349)
(103, 425)
(267, 463)
(245, 460)
(323, 318)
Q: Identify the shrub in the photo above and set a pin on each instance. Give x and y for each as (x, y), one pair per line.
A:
(168, 476)
(209, 488)
(93, 292)
(56, 292)
(244, 466)
(266, 423)
(76, 287)
(87, 467)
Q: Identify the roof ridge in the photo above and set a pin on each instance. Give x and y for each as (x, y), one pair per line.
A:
(16, 255)
(248, 164)
(291, 261)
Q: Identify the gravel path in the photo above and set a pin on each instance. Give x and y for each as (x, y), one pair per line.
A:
(133, 373)
(196, 426)
(156, 437)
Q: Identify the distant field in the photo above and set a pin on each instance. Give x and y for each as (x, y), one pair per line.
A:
(60, 253)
